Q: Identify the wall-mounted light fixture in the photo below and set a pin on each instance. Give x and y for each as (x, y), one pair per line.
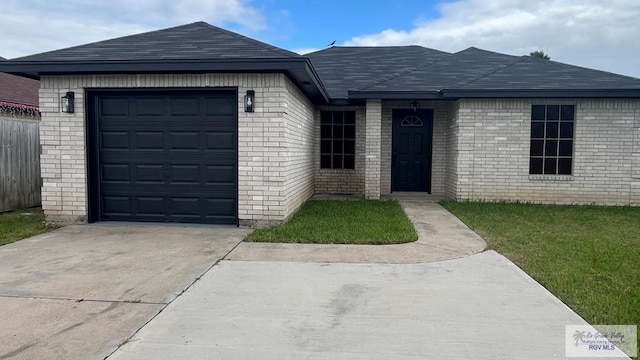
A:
(67, 102)
(249, 101)
(414, 106)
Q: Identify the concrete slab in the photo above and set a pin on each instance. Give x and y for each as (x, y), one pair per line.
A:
(480, 307)
(441, 236)
(113, 262)
(63, 329)
(78, 292)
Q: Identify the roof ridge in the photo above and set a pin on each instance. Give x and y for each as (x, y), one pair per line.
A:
(388, 78)
(398, 74)
(246, 38)
(531, 58)
(492, 71)
(106, 40)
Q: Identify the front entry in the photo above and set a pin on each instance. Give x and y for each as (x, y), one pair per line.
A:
(411, 150)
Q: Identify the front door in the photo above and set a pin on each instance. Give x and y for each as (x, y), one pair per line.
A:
(411, 150)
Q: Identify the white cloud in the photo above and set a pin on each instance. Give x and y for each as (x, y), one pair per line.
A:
(33, 26)
(590, 33)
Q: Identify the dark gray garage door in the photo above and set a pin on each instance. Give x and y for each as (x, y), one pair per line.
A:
(166, 157)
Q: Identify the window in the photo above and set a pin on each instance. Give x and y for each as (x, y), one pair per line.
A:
(337, 139)
(552, 129)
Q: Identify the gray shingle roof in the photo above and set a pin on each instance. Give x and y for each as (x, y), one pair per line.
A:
(348, 72)
(344, 68)
(337, 74)
(534, 73)
(451, 71)
(198, 40)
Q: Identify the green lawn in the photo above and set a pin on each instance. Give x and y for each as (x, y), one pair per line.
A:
(21, 224)
(343, 222)
(588, 256)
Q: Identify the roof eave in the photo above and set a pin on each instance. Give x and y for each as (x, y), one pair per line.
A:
(453, 94)
(542, 93)
(355, 94)
(299, 69)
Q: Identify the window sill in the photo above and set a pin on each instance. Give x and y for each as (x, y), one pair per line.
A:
(337, 171)
(551, 177)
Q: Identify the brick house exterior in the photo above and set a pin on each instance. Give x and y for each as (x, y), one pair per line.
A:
(480, 145)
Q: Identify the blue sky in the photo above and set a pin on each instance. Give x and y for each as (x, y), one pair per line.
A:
(315, 23)
(589, 33)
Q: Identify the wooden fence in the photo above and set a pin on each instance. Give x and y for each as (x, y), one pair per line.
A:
(20, 180)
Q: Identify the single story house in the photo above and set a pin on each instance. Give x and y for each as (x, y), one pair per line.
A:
(199, 124)
(20, 181)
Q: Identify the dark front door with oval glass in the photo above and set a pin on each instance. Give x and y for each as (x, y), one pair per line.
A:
(411, 150)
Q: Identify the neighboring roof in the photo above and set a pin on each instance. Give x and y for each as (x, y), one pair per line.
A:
(344, 68)
(337, 75)
(196, 47)
(17, 90)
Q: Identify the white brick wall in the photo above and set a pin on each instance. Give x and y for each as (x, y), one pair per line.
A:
(265, 194)
(492, 159)
(373, 140)
(301, 142)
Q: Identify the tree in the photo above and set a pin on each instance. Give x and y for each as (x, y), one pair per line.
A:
(539, 54)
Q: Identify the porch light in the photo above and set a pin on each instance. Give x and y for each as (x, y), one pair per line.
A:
(67, 102)
(414, 106)
(249, 101)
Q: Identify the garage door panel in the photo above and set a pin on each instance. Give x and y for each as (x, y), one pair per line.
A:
(116, 173)
(116, 205)
(220, 141)
(219, 175)
(220, 107)
(115, 140)
(185, 174)
(150, 206)
(147, 107)
(184, 206)
(218, 207)
(184, 141)
(186, 106)
(115, 106)
(148, 140)
(149, 174)
(168, 157)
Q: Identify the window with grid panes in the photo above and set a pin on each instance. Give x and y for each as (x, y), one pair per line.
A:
(552, 128)
(337, 139)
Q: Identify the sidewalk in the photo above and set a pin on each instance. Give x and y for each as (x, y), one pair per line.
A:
(441, 236)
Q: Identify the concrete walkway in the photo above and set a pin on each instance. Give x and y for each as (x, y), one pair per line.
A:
(478, 307)
(79, 292)
(441, 236)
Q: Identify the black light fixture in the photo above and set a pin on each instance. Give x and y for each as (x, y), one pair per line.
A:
(67, 102)
(414, 106)
(249, 101)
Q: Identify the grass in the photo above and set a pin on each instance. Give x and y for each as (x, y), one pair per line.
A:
(343, 222)
(588, 256)
(20, 224)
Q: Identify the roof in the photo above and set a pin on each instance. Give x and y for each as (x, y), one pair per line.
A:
(17, 90)
(400, 73)
(192, 48)
(345, 68)
(337, 75)
(194, 41)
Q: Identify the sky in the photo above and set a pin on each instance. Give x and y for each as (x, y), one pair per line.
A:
(603, 35)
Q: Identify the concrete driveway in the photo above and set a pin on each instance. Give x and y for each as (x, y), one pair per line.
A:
(79, 292)
(477, 307)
